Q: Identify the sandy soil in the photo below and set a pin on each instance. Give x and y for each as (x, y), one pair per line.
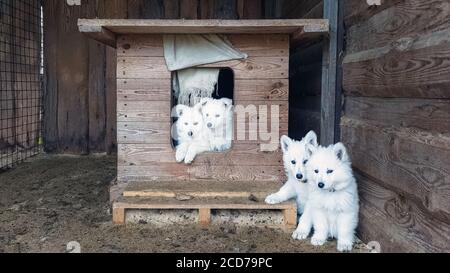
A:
(49, 201)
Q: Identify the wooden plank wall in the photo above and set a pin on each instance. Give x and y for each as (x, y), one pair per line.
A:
(305, 72)
(79, 103)
(145, 151)
(396, 121)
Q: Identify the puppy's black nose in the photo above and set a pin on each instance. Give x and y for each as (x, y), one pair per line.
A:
(299, 176)
(321, 185)
(190, 133)
(209, 125)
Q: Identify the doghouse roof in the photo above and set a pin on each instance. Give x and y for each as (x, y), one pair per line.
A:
(105, 30)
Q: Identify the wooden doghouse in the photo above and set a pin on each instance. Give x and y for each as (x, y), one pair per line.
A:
(237, 179)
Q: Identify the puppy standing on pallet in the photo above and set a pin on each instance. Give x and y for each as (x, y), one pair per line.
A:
(189, 133)
(295, 157)
(333, 203)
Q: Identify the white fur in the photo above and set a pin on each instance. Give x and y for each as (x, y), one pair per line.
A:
(333, 209)
(295, 155)
(189, 133)
(218, 122)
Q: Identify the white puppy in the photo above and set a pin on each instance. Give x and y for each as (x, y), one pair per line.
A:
(295, 157)
(333, 205)
(189, 133)
(218, 120)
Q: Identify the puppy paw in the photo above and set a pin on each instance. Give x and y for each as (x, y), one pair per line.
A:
(300, 234)
(189, 157)
(273, 199)
(317, 241)
(344, 246)
(179, 155)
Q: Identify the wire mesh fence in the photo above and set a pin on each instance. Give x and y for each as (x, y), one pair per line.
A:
(20, 80)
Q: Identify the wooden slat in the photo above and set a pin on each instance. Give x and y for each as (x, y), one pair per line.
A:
(50, 100)
(144, 111)
(189, 9)
(250, 9)
(245, 90)
(143, 132)
(424, 114)
(143, 90)
(398, 223)
(417, 18)
(243, 154)
(200, 172)
(257, 67)
(270, 45)
(204, 216)
(140, 46)
(196, 203)
(201, 189)
(148, 45)
(357, 11)
(251, 68)
(411, 161)
(113, 9)
(412, 73)
(142, 67)
(205, 26)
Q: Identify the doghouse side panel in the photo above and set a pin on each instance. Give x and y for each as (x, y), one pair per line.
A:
(144, 103)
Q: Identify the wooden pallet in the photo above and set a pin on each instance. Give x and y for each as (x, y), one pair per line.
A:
(233, 195)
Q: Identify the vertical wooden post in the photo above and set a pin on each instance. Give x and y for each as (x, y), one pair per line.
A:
(118, 216)
(204, 217)
(290, 218)
(331, 74)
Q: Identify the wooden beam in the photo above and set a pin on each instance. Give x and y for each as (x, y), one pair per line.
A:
(204, 217)
(99, 34)
(95, 27)
(331, 73)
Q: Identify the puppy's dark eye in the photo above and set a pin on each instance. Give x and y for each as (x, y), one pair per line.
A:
(329, 171)
(293, 162)
(304, 162)
(316, 171)
(195, 123)
(217, 116)
(186, 123)
(207, 115)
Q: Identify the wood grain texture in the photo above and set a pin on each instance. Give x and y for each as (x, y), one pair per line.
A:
(143, 132)
(144, 111)
(245, 90)
(257, 67)
(411, 18)
(357, 11)
(411, 161)
(412, 73)
(397, 222)
(250, 9)
(170, 172)
(241, 154)
(148, 45)
(251, 68)
(50, 99)
(201, 188)
(423, 114)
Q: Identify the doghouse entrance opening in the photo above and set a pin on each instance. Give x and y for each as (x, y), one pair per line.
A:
(223, 89)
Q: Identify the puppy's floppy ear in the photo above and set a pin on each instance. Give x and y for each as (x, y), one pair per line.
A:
(285, 142)
(179, 110)
(341, 152)
(311, 139)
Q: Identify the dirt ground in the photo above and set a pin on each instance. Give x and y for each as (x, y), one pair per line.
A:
(49, 201)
